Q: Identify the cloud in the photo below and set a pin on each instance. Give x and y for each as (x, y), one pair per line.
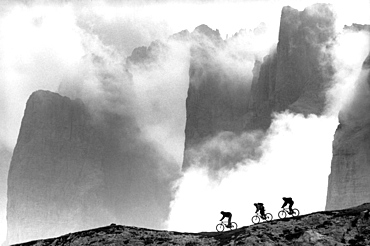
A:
(293, 163)
(349, 52)
(38, 48)
(226, 150)
(79, 49)
(294, 159)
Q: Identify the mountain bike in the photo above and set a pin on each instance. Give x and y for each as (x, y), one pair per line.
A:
(221, 227)
(283, 213)
(256, 218)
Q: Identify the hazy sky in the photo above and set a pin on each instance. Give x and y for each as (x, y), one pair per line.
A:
(43, 45)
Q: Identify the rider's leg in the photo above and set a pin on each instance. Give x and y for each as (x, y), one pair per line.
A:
(291, 208)
(263, 215)
(229, 221)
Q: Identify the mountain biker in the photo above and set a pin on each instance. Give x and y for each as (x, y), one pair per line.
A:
(288, 200)
(259, 207)
(226, 215)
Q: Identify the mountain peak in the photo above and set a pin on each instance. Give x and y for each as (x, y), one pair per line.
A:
(209, 32)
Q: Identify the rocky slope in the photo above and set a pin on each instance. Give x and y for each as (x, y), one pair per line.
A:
(350, 167)
(341, 227)
(72, 170)
(293, 77)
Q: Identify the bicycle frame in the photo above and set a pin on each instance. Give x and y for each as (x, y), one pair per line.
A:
(225, 224)
(287, 209)
(259, 215)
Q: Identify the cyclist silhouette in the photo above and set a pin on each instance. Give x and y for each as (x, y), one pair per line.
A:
(259, 207)
(226, 215)
(288, 200)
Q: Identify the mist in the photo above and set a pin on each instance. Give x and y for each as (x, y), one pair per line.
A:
(80, 49)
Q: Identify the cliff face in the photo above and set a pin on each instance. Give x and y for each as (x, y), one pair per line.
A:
(71, 170)
(350, 167)
(294, 77)
(56, 170)
(335, 228)
(213, 103)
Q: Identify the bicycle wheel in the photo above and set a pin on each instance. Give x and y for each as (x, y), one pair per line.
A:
(295, 212)
(233, 226)
(220, 227)
(255, 219)
(268, 217)
(282, 214)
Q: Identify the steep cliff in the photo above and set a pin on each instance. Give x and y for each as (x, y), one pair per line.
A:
(213, 103)
(334, 228)
(297, 75)
(73, 170)
(293, 77)
(349, 181)
(55, 175)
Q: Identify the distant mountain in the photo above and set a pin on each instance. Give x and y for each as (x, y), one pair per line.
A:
(340, 227)
(349, 183)
(295, 77)
(72, 170)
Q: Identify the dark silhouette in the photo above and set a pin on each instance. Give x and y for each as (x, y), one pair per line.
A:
(226, 215)
(259, 207)
(288, 200)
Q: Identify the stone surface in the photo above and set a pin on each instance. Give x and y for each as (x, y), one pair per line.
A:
(296, 76)
(72, 170)
(213, 103)
(334, 228)
(56, 170)
(293, 77)
(349, 182)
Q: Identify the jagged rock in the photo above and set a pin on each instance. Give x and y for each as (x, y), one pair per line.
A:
(342, 227)
(213, 103)
(73, 170)
(146, 55)
(296, 76)
(349, 181)
(293, 77)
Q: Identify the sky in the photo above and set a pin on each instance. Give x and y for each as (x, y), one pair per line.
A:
(44, 45)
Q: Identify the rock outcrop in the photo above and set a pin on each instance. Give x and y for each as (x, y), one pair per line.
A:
(55, 176)
(214, 104)
(342, 227)
(349, 183)
(293, 77)
(297, 75)
(73, 170)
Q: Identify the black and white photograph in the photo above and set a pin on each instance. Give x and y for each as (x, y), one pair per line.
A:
(194, 122)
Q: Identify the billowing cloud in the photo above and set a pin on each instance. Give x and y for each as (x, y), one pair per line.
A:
(348, 59)
(79, 49)
(293, 163)
(293, 158)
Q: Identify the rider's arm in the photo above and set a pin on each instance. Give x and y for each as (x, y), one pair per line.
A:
(223, 216)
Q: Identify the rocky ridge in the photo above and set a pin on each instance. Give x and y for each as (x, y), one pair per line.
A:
(339, 227)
